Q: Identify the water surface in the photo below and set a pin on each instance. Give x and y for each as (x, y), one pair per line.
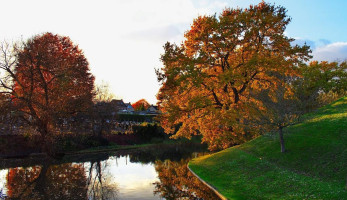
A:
(153, 173)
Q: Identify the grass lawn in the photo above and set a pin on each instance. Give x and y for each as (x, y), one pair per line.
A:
(314, 167)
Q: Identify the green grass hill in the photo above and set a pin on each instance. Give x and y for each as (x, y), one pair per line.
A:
(315, 166)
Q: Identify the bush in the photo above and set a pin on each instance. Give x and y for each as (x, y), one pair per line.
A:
(146, 131)
(136, 118)
(73, 141)
(329, 97)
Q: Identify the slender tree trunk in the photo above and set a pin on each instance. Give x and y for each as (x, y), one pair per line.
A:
(43, 129)
(102, 124)
(280, 131)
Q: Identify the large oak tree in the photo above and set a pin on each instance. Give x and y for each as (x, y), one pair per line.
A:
(209, 80)
(48, 77)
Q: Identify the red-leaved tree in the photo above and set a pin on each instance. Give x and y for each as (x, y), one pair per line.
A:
(141, 104)
(48, 78)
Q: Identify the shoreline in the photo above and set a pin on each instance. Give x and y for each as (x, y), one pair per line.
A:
(208, 185)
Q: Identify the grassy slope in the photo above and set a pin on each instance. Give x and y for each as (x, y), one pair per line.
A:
(315, 166)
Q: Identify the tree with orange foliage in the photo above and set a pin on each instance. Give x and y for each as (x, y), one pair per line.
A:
(140, 105)
(48, 78)
(209, 81)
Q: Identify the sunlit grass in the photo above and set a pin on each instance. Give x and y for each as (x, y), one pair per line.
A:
(315, 166)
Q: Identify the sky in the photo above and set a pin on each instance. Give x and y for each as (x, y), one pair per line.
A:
(123, 39)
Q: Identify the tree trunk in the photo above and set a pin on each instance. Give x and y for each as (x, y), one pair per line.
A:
(48, 143)
(43, 129)
(283, 149)
(102, 124)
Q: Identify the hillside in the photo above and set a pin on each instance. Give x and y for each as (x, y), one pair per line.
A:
(315, 166)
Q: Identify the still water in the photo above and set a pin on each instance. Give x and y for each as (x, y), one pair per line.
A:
(153, 173)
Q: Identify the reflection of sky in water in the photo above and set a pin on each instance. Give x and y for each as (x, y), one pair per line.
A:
(133, 180)
(3, 174)
(113, 178)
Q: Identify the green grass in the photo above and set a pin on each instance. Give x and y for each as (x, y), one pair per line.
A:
(315, 166)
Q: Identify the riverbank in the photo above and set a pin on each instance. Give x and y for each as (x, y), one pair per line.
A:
(167, 141)
(28, 150)
(145, 152)
(27, 141)
(315, 166)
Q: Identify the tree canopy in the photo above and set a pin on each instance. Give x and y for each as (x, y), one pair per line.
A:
(102, 93)
(209, 81)
(321, 83)
(49, 78)
(140, 105)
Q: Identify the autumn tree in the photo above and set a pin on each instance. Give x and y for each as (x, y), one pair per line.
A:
(48, 78)
(140, 105)
(208, 79)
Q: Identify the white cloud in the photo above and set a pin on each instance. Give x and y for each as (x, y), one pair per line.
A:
(324, 50)
(332, 52)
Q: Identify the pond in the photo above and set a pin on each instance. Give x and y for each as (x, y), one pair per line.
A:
(149, 173)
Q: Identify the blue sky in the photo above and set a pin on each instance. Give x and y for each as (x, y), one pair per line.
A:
(317, 20)
(321, 24)
(123, 39)
(311, 19)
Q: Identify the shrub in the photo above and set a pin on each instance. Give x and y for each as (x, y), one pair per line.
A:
(146, 131)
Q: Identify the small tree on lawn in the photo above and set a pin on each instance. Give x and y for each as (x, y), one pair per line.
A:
(279, 110)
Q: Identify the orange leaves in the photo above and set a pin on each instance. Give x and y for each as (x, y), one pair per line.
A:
(210, 82)
(141, 104)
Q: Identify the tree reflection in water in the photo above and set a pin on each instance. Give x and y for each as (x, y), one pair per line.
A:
(93, 180)
(177, 182)
(100, 186)
(66, 181)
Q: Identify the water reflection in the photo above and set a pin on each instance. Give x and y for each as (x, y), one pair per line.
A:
(177, 182)
(141, 174)
(99, 183)
(65, 181)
